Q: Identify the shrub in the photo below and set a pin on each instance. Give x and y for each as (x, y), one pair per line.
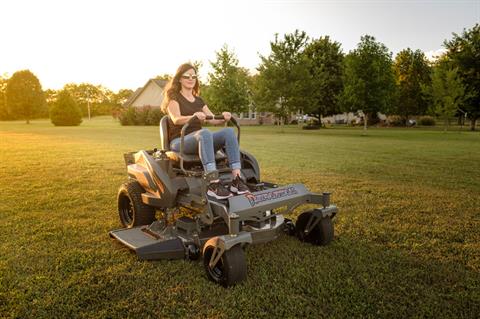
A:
(426, 121)
(311, 127)
(312, 123)
(128, 116)
(140, 116)
(65, 111)
(395, 120)
(154, 117)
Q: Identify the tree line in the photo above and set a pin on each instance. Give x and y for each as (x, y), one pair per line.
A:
(22, 97)
(313, 76)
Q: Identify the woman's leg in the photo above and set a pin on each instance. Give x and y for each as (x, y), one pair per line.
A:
(199, 142)
(226, 137)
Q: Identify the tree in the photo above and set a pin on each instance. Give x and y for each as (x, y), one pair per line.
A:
(50, 98)
(3, 97)
(65, 111)
(228, 88)
(446, 91)
(326, 66)
(411, 72)
(122, 96)
(464, 53)
(283, 85)
(92, 99)
(118, 100)
(368, 79)
(164, 77)
(24, 94)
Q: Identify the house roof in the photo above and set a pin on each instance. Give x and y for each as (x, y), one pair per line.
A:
(134, 96)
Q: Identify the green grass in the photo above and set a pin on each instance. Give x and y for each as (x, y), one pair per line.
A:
(407, 236)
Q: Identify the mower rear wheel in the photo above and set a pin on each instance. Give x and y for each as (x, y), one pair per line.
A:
(321, 234)
(131, 209)
(230, 269)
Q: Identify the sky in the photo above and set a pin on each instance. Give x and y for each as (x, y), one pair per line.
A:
(121, 44)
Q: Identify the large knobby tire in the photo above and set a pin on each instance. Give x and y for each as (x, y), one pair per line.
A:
(230, 269)
(321, 234)
(132, 211)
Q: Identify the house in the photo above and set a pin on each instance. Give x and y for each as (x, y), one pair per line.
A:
(151, 94)
(255, 118)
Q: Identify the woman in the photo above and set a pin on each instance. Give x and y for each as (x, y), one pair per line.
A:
(181, 102)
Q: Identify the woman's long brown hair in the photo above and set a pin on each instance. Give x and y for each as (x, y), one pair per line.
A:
(173, 87)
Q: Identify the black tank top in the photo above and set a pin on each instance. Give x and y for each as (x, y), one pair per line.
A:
(186, 108)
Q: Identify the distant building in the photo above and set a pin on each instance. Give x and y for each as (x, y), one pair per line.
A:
(151, 94)
(255, 118)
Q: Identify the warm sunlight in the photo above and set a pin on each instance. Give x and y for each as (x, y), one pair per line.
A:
(121, 44)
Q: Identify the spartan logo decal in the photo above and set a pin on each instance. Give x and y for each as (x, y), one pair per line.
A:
(262, 197)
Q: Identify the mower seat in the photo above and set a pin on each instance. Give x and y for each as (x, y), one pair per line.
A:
(175, 156)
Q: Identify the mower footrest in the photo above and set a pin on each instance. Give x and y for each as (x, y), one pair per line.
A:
(149, 247)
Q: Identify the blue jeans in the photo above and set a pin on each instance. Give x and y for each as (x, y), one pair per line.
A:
(206, 143)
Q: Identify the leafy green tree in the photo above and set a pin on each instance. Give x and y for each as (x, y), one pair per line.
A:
(325, 59)
(283, 85)
(25, 97)
(412, 71)
(464, 53)
(446, 91)
(228, 88)
(50, 97)
(369, 82)
(118, 99)
(165, 77)
(122, 96)
(65, 111)
(95, 98)
(3, 97)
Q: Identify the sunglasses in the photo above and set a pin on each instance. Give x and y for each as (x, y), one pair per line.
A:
(189, 77)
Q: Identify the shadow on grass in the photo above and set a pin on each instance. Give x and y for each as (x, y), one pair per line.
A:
(286, 278)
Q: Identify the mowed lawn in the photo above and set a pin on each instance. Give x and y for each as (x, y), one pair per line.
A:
(407, 241)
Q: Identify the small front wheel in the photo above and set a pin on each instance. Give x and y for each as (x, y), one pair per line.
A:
(321, 234)
(230, 269)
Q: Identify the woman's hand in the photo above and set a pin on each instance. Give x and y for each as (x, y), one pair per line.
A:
(200, 115)
(227, 116)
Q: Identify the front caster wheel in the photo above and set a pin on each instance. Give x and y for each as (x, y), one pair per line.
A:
(321, 234)
(230, 269)
(288, 227)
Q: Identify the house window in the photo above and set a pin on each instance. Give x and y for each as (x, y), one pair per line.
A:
(254, 115)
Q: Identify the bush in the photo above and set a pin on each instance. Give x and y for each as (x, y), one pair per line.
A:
(312, 123)
(128, 116)
(311, 127)
(154, 117)
(426, 121)
(140, 116)
(65, 111)
(395, 120)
